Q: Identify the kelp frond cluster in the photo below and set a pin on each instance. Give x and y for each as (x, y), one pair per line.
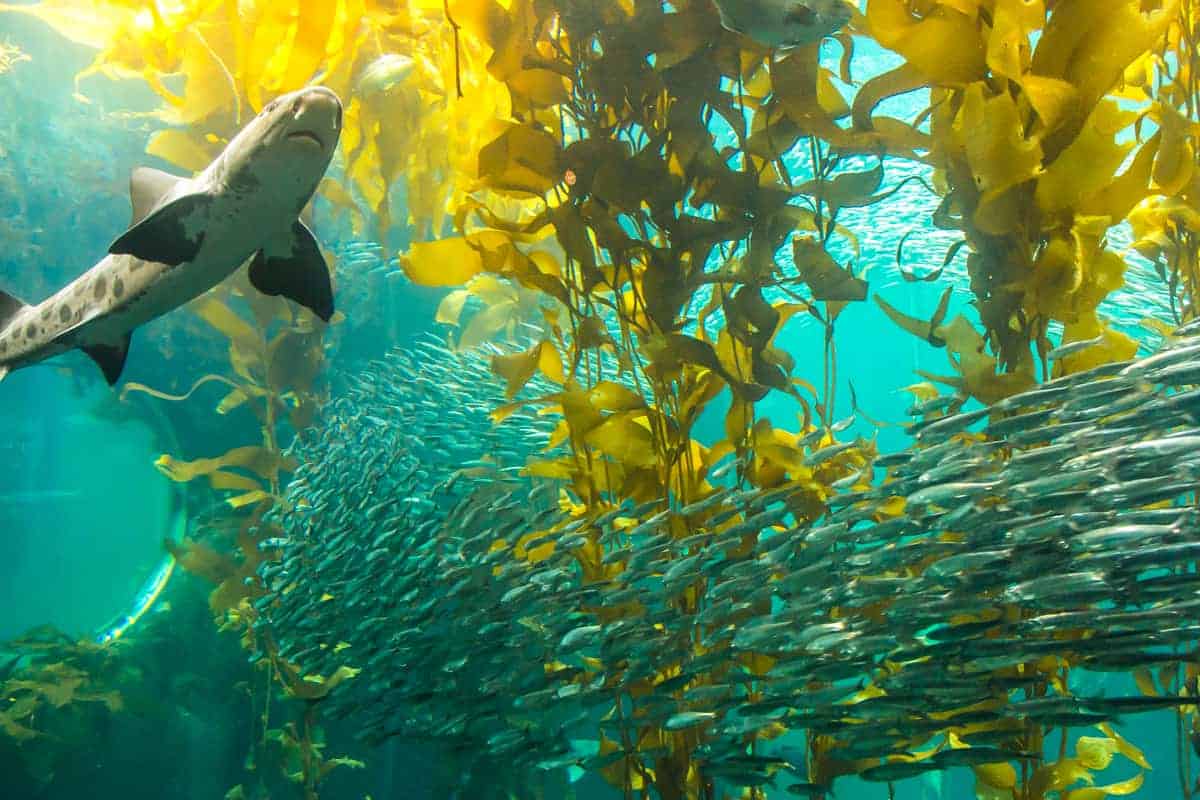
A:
(646, 199)
(1050, 124)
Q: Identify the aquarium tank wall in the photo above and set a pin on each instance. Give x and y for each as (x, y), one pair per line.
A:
(599, 399)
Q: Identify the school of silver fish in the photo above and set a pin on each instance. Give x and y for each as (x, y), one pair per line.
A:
(1062, 532)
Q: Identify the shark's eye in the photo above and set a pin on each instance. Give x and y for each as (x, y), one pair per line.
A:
(296, 105)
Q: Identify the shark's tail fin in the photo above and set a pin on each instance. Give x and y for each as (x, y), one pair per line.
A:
(9, 306)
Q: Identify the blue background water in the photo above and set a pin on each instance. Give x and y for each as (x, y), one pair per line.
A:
(83, 511)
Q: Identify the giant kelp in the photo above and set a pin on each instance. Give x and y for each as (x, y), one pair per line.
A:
(629, 166)
(1050, 123)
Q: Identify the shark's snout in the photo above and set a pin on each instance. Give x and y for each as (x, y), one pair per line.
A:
(315, 114)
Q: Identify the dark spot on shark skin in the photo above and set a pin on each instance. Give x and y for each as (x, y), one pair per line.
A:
(246, 182)
(30, 331)
(64, 313)
(98, 288)
(118, 288)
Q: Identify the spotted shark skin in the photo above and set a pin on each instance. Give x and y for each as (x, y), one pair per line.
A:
(189, 234)
(784, 24)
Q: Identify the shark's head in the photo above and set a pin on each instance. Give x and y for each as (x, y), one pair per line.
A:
(287, 147)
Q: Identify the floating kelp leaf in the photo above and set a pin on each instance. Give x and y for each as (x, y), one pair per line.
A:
(258, 460)
(613, 396)
(847, 189)
(732, 362)
(823, 275)
(249, 498)
(917, 327)
(1124, 746)
(445, 262)
(518, 368)
(294, 359)
(794, 83)
(1000, 775)
(912, 277)
(625, 438)
(591, 333)
(1115, 345)
(1057, 775)
(218, 314)
(573, 235)
(1116, 200)
(1054, 100)
(997, 150)
(1095, 752)
(1175, 163)
(451, 306)
(1127, 786)
(133, 386)
(944, 45)
(751, 318)
(203, 560)
(1089, 162)
(1089, 45)
(772, 135)
(314, 687)
(664, 292)
(523, 159)
(14, 729)
(922, 391)
(893, 83)
(1008, 48)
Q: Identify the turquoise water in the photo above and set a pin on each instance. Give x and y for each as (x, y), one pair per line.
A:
(84, 512)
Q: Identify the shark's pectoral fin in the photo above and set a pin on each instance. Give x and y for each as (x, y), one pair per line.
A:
(171, 234)
(297, 271)
(9, 307)
(147, 188)
(109, 357)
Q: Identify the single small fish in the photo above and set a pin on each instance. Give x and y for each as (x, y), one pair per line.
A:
(688, 719)
(896, 770)
(1071, 348)
(385, 73)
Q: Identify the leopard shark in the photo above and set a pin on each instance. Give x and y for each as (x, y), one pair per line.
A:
(190, 234)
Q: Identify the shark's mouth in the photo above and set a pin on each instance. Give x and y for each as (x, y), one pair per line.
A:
(306, 134)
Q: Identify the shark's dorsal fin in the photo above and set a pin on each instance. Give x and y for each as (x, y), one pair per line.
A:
(171, 234)
(9, 307)
(297, 271)
(147, 188)
(110, 358)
